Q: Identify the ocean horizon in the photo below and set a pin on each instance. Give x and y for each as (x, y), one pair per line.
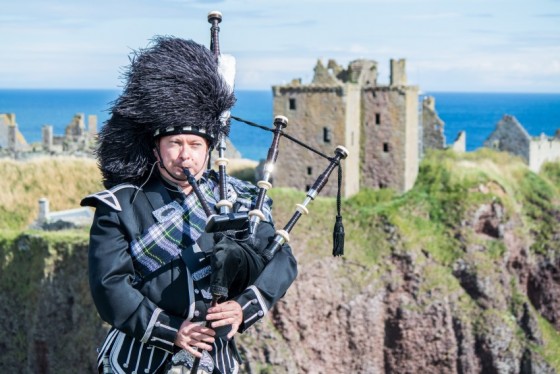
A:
(475, 113)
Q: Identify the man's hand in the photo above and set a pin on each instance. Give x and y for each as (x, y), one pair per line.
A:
(227, 313)
(193, 335)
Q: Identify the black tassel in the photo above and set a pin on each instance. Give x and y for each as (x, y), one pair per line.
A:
(338, 232)
(338, 237)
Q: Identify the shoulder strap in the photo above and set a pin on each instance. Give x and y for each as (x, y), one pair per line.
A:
(107, 197)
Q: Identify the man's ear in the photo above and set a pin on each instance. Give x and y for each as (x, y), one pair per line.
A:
(156, 153)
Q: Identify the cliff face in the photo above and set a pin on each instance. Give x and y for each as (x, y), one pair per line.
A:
(460, 275)
(401, 324)
(48, 321)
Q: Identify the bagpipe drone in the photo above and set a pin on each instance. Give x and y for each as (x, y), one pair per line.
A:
(226, 222)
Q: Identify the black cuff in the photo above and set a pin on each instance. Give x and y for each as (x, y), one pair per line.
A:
(253, 305)
(162, 330)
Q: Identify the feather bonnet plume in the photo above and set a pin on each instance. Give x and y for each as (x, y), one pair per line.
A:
(173, 86)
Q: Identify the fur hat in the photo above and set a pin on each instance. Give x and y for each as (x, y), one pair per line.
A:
(173, 86)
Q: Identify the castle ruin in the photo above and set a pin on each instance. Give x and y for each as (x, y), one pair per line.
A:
(11, 139)
(384, 127)
(510, 136)
(77, 138)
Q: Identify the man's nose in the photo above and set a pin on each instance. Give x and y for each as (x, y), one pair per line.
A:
(185, 153)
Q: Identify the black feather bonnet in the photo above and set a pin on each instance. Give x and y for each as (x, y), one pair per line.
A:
(173, 86)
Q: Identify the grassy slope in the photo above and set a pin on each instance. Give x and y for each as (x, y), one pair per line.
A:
(63, 180)
(449, 188)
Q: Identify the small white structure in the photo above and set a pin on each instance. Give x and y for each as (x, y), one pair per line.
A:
(63, 219)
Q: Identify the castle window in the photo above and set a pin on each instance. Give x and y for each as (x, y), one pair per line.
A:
(307, 187)
(386, 147)
(326, 135)
(309, 170)
(377, 119)
(292, 104)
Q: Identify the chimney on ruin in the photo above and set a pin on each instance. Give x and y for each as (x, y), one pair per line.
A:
(47, 133)
(92, 124)
(398, 72)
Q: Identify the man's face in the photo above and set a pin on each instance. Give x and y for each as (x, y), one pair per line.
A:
(182, 151)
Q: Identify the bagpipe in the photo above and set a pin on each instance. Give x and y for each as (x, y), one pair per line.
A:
(224, 222)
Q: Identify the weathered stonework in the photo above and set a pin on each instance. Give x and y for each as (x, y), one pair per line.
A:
(323, 106)
(11, 138)
(77, 138)
(510, 136)
(432, 126)
(377, 124)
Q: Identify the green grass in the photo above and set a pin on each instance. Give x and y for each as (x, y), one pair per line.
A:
(551, 348)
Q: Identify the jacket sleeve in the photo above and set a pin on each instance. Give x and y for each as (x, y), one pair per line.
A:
(268, 288)
(111, 279)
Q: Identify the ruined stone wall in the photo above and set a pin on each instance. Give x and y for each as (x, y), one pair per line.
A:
(510, 136)
(379, 125)
(10, 136)
(432, 126)
(362, 72)
(317, 117)
(47, 137)
(460, 143)
(541, 150)
(398, 72)
(76, 128)
(383, 138)
(92, 125)
(5, 123)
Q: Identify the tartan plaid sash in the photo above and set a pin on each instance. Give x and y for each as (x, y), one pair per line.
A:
(179, 225)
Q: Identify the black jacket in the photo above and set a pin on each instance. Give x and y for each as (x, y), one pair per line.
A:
(151, 308)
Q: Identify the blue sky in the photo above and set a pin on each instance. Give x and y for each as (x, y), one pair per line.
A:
(449, 45)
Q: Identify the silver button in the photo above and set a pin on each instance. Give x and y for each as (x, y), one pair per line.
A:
(254, 301)
(260, 313)
(196, 313)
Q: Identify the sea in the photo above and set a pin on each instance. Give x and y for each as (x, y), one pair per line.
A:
(475, 113)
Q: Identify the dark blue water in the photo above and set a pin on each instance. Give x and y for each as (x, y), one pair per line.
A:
(475, 113)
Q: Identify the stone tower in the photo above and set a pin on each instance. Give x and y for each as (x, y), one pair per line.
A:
(10, 136)
(377, 124)
(47, 132)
